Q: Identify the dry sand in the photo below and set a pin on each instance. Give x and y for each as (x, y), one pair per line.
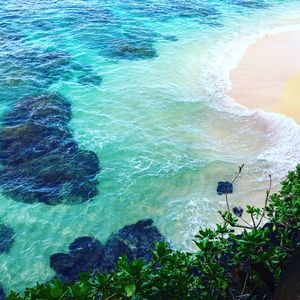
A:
(268, 76)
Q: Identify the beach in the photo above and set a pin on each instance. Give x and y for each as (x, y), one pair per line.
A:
(268, 75)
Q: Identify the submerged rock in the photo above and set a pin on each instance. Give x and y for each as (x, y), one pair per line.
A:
(32, 70)
(224, 187)
(90, 79)
(7, 238)
(88, 254)
(44, 110)
(41, 160)
(171, 9)
(2, 293)
(238, 211)
(41, 68)
(130, 48)
(258, 4)
(87, 14)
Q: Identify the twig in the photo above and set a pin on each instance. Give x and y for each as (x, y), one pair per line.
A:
(236, 225)
(266, 200)
(244, 286)
(232, 296)
(253, 221)
(232, 181)
(64, 294)
(238, 174)
(111, 296)
(226, 198)
(245, 221)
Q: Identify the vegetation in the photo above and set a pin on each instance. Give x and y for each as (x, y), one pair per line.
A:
(226, 265)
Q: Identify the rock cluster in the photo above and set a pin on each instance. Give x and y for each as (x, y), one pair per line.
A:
(256, 4)
(89, 254)
(7, 238)
(31, 71)
(170, 9)
(224, 187)
(2, 293)
(41, 160)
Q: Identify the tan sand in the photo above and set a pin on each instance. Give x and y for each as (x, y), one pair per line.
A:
(268, 76)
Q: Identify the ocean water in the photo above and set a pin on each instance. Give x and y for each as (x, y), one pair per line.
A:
(147, 82)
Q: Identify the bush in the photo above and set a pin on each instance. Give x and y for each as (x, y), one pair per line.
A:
(226, 265)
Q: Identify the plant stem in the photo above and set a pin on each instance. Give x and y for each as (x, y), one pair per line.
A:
(238, 174)
(111, 296)
(266, 200)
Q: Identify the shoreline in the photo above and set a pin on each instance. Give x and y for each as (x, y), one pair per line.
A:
(268, 75)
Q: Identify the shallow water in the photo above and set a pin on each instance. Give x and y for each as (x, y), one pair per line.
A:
(147, 83)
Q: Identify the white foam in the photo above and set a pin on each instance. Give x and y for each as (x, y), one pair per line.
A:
(226, 55)
(281, 151)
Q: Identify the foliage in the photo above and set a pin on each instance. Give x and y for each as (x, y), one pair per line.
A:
(226, 265)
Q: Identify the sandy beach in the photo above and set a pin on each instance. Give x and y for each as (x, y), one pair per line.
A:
(268, 76)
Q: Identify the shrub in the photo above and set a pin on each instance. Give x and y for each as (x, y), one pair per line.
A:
(226, 265)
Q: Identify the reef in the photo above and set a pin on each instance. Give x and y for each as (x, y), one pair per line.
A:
(114, 35)
(7, 238)
(224, 187)
(41, 160)
(257, 4)
(87, 14)
(90, 79)
(41, 67)
(130, 49)
(168, 9)
(89, 254)
(32, 70)
(2, 293)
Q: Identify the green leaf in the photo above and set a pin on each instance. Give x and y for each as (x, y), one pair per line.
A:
(56, 293)
(130, 289)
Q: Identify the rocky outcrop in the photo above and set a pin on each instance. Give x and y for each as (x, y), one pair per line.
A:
(7, 238)
(41, 160)
(89, 254)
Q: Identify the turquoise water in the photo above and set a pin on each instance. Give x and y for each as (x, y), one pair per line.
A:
(147, 82)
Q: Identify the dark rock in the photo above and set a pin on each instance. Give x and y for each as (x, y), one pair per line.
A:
(85, 244)
(90, 79)
(2, 293)
(131, 49)
(8, 36)
(42, 67)
(87, 14)
(88, 254)
(7, 238)
(171, 38)
(46, 109)
(41, 161)
(170, 9)
(140, 236)
(256, 4)
(238, 211)
(114, 249)
(30, 71)
(192, 9)
(224, 187)
(289, 283)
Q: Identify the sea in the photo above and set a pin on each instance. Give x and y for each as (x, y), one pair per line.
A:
(147, 84)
